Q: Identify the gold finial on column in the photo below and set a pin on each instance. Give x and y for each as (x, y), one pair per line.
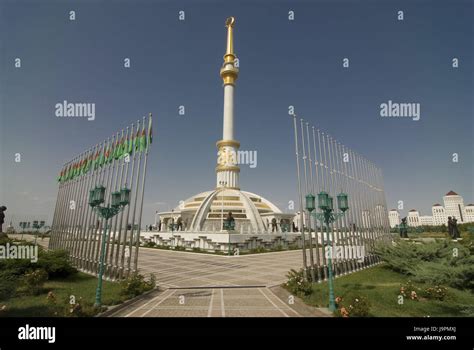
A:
(229, 23)
(229, 72)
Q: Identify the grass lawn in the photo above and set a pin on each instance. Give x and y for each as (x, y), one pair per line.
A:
(381, 286)
(79, 285)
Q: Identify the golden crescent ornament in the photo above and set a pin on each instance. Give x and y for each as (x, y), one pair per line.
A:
(230, 22)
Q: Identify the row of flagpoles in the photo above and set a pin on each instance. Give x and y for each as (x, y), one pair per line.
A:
(116, 163)
(325, 164)
(110, 150)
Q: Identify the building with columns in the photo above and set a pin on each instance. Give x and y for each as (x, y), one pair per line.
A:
(394, 218)
(454, 206)
(439, 214)
(426, 220)
(206, 211)
(413, 218)
(469, 213)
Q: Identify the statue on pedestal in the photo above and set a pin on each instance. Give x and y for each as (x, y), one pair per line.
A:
(455, 229)
(403, 228)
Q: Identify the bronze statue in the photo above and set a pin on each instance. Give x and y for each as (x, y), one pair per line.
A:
(455, 229)
(2, 217)
(403, 228)
(274, 225)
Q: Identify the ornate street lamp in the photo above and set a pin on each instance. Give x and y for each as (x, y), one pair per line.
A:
(323, 200)
(327, 217)
(118, 201)
(342, 202)
(310, 202)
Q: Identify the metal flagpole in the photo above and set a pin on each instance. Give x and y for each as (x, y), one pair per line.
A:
(93, 216)
(356, 213)
(329, 250)
(64, 208)
(332, 240)
(323, 188)
(345, 218)
(128, 244)
(374, 207)
(71, 210)
(368, 205)
(76, 212)
(308, 221)
(113, 222)
(375, 204)
(124, 243)
(110, 189)
(315, 192)
(337, 190)
(54, 232)
(300, 195)
(121, 185)
(108, 194)
(83, 208)
(104, 182)
(91, 175)
(363, 229)
(79, 208)
(350, 213)
(143, 189)
(135, 201)
(52, 240)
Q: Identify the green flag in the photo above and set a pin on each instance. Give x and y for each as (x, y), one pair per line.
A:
(118, 149)
(60, 176)
(102, 156)
(124, 147)
(150, 133)
(95, 162)
(136, 141)
(130, 144)
(143, 141)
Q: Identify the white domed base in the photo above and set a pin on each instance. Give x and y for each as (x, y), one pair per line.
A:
(206, 211)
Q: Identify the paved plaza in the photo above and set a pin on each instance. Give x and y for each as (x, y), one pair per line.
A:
(207, 285)
(217, 302)
(176, 269)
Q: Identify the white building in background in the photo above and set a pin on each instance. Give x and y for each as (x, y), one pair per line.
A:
(413, 218)
(439, 215)
(426, 220)
(394, 218)
(469, 213)
(454, 206)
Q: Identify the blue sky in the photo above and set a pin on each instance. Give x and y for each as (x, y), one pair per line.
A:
(282, 63)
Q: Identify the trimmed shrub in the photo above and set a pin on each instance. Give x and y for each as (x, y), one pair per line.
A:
(353, 306)
(34, 281)
(437, 263)
(56, 263)
(296, 283)
(136, 285)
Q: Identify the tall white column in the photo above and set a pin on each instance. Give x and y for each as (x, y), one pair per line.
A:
(227, 166)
